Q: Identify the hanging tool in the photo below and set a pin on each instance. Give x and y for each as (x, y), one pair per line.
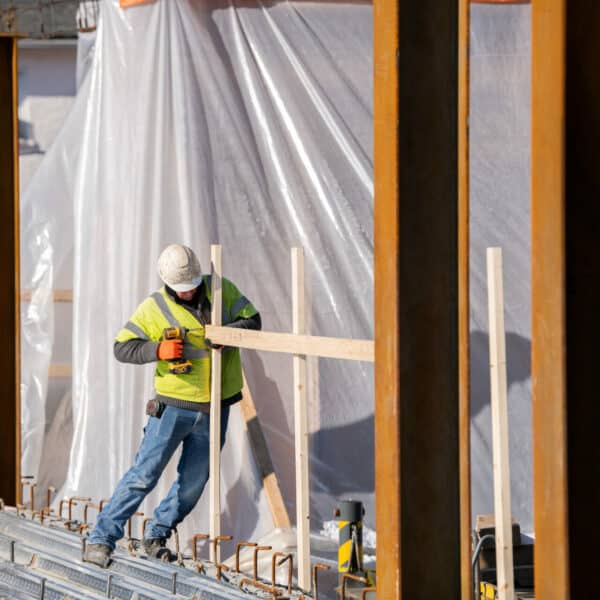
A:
(177, 366)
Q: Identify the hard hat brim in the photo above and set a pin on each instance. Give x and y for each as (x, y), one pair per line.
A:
(186, 286)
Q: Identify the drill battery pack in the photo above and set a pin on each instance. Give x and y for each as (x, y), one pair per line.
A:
(178, 366)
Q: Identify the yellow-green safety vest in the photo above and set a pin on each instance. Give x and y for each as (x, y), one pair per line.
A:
(160, 311)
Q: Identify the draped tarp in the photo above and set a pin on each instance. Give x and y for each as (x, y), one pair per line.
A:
(247, 125)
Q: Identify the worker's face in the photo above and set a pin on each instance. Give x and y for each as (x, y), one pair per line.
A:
(187, 296)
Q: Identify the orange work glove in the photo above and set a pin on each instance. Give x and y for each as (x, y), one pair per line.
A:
(170, 349)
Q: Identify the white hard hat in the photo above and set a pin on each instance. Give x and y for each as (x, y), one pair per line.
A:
(179, 268)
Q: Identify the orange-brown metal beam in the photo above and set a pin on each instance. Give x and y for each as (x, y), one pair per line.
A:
(548, 368)
(10, 454)
(418, 508)
(387, 311)
(565, 216)
(463, 301)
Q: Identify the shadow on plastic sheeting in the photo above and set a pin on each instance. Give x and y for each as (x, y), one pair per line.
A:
(518, 366)
(344, 457)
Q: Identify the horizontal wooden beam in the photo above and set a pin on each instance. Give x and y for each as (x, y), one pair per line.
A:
(289, 343)
(60, 370)
(57, 295)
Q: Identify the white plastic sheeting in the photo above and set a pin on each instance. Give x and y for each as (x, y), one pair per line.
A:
(500, 123)
(247, 125)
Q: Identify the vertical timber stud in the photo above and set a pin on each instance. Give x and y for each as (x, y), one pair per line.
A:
(10, 424)
(565, 290)
(416, 299)
(215, 407)
(464, 376)
(500, 433)
(301, 425)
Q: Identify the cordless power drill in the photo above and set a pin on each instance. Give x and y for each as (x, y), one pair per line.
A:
(177, 366)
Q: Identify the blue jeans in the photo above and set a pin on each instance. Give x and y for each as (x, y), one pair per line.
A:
(161, 438)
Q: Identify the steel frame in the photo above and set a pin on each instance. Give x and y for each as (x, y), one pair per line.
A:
(416, 298)
(10, 434)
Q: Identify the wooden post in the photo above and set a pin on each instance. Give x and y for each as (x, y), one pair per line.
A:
(215, 409)
(301, 425)
(504, 542)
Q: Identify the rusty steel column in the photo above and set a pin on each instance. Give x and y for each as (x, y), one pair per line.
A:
(565, 290)
(10, 423)
(463, 301)
(416, 299)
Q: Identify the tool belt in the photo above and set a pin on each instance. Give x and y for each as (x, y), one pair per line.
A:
(155, 408)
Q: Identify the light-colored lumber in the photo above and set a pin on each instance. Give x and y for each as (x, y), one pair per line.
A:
(57, 295)
(502, 509)
(263, 460)
(292, 343)
(215, 409)
(301, 425)
(60, 370)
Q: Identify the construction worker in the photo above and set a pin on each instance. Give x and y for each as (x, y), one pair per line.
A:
(180, 412)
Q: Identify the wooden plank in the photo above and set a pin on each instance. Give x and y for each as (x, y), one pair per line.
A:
(215, 409)
(464, 371)
(60, 370)
(301, 425)
(308, 345)
(263, 460)
(499, 401)
(57, 295)
(10, 424)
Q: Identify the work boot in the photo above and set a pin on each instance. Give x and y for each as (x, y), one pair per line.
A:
(98, 554)
(157, 548)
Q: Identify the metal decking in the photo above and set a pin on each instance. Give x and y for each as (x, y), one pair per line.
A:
(38, 561)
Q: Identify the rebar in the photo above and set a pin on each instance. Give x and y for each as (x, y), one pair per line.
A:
(238, 547)
(220, 568)
(28, 480)
(60, 507)
(286, 557)
(195, 538)
(318, 567)
(49, 491)
(255, 561)
(346, 577)
(135, 514)
(73, 502)
(259, 584)
(177, 550)
(216, 541)
(144, 522)
(86, 508)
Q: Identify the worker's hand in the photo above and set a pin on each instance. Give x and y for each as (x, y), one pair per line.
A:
(212, 346)
(170, 349)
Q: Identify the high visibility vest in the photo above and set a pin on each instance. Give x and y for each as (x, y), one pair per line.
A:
(160, 311)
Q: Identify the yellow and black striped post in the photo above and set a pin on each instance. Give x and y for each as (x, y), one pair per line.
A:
(350, 527)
